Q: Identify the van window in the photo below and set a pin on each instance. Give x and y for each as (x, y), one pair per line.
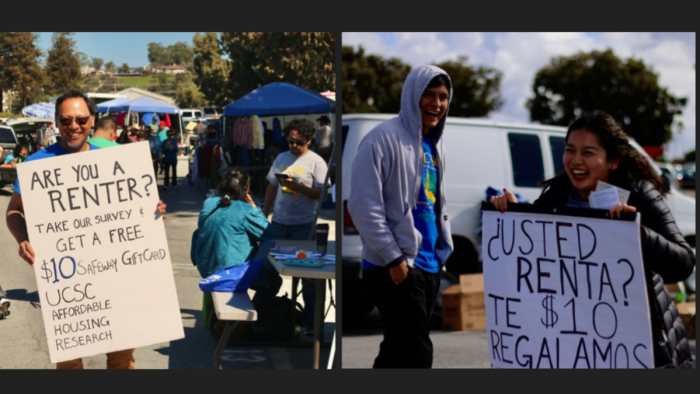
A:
(6, 135)
(197, 114)
(526, 158)
(558, 145)
(187, 114)
(210, 111)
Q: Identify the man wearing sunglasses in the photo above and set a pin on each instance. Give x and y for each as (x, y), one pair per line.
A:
(75, 114)
(296, 201)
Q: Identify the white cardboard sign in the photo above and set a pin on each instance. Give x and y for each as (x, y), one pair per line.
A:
(102, 264)
(564, 292)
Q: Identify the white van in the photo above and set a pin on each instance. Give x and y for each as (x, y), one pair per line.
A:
(479, 154)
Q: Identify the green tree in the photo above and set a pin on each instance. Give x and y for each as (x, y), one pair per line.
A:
(476, 90)
(97, 62)
(371, 83)
(374, 84)
(110, 66)
(124, 67)
(305, 59)
(62, 64)
(626, 89)
(181, 53)
(189, 96)
(211, 71)
(157, 53)
(84, 59)
(20, 68)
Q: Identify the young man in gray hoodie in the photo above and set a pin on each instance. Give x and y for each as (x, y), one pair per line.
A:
(397, 202)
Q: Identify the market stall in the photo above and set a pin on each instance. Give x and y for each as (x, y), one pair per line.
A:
(144, 105)
(275, 104)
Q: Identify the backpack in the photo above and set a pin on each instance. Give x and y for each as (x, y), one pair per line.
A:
(274, 322)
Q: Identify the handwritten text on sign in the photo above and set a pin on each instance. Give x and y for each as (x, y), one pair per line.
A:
(102, 262)
(564, 292)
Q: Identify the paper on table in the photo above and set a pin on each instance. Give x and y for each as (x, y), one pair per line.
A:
(623, 194)
(604, 199)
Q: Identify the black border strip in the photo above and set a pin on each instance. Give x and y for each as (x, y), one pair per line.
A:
(561, 211)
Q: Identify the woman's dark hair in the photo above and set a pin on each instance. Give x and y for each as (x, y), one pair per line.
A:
(140, 135)
(303, 126)
(633, 165)
(440, 80)
(18, 149)
(124, 137)
(233, 186)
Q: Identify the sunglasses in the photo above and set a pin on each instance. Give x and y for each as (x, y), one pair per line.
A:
(69, 121)
(296, 142)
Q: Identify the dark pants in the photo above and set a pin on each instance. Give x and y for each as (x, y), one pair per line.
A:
(406, 310)
(168, 167)
(298, 232)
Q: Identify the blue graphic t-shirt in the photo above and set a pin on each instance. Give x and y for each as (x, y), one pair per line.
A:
(424, 218)
(424, 212)
(50, 151)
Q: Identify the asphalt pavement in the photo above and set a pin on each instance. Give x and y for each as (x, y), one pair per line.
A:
(451, 349)
(22, 335)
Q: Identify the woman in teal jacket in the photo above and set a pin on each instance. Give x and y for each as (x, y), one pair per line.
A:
(230, 226)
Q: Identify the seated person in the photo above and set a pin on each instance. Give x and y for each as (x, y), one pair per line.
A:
(19, 153)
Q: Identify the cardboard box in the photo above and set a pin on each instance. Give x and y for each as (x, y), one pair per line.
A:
(463, 307)
(687, 311)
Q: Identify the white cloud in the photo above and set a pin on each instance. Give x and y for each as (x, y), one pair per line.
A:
(520, 55)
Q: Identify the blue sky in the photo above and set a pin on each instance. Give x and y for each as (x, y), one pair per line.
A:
(129, 48)
(520, 55)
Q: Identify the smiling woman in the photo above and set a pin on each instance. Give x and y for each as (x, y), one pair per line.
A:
(598, 150)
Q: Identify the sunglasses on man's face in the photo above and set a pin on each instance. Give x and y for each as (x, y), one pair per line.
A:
(296, 142)
(69, 121)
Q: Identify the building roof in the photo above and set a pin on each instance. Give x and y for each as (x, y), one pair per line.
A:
(134, 93)
(174, 67)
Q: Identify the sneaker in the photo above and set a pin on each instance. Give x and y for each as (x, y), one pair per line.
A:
(4, 307)
(166, 188)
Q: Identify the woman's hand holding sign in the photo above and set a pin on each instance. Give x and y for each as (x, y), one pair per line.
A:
(501, 202)
(619, 208)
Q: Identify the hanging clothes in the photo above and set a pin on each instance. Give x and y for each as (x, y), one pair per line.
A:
(276, 130)
(215, 164)
(120, 119)
(167, 121)
(258, 138)
(243, 132)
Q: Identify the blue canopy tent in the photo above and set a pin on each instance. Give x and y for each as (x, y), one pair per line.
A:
(280, 98)
(106, 106)
(141, 104)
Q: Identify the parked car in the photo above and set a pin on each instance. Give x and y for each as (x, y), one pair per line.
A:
(212, 112)
(480, 153)
(686, 177)
(13, 132)
(190, 115)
